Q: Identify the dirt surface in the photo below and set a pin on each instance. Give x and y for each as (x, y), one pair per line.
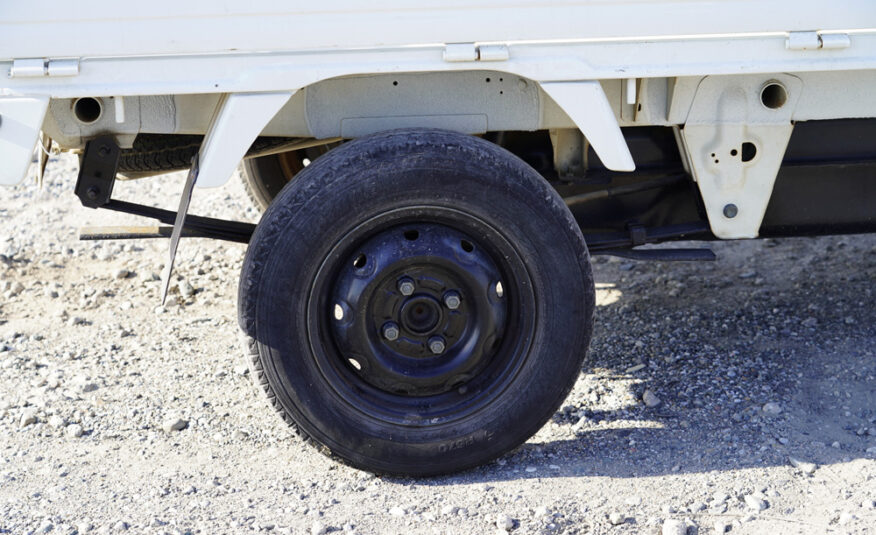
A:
(736, 396)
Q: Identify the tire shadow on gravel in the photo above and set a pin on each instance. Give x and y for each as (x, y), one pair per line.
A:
(753, 360)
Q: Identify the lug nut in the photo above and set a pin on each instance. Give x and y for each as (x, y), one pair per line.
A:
(436, 345)
(390, 331)
(406, 286)
(452, 300)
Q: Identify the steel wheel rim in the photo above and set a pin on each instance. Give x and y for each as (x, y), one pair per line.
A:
(496, 326)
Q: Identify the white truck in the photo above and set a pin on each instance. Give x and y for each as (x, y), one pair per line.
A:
(417, 297)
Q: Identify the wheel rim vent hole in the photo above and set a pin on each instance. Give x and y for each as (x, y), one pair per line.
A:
(355, 363)
(412, 235)
(360, 261)
(466, 246)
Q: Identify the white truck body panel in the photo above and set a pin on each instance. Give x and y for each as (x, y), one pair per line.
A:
(105, 28)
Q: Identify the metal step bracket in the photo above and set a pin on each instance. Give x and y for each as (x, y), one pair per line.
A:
(736, 133)
(239, 118)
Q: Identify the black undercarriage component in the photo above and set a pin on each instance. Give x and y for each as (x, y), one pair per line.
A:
(101, 156)
(195, 226)
(162, 153)
(94, 187)
(825, 186)
(661, 255)
(97, 172)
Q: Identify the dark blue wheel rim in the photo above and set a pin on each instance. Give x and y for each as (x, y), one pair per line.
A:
(400, 379)
(436, 260)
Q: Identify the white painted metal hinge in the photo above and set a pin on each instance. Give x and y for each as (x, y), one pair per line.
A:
(817, 41)
(460, 52)
(39, 67)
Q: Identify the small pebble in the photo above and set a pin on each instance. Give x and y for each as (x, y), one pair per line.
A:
(754, 502)
(504, 522)
(56, 421)
(174, 424)
(846, 517)
(803, 466)
(28, 416)
(674, 526)
(650, 399)
(772, 409)
(616, 519)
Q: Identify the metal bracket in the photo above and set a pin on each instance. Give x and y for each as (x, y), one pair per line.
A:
(39, 67)
(175, 235)
(97, 172)
(463, 52)
(735, 135)
(638, 233)
(812, 40)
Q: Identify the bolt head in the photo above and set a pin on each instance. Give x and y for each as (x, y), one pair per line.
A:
(92, 192)
(390, 331)
(452, 300)
(406, 286)
(436, 345)
(730, 211)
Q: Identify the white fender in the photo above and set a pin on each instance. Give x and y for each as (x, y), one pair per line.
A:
(238, 120)
(21, 119)
(585, 103)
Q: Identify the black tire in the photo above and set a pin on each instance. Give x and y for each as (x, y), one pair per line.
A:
(439, 206)
(265, 176)
(159, 153)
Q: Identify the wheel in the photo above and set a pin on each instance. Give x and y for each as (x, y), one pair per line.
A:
(264, 176)
(417, 302)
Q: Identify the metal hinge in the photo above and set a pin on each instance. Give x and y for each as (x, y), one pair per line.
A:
(39, 67)
(459, 52)
(817, 41)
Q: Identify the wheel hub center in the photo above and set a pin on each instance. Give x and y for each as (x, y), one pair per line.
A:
(420, 314)
(415, 307)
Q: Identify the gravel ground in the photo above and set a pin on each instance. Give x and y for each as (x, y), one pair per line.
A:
(734, 396)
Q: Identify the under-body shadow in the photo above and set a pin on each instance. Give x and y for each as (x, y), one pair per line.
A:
(716, 345)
